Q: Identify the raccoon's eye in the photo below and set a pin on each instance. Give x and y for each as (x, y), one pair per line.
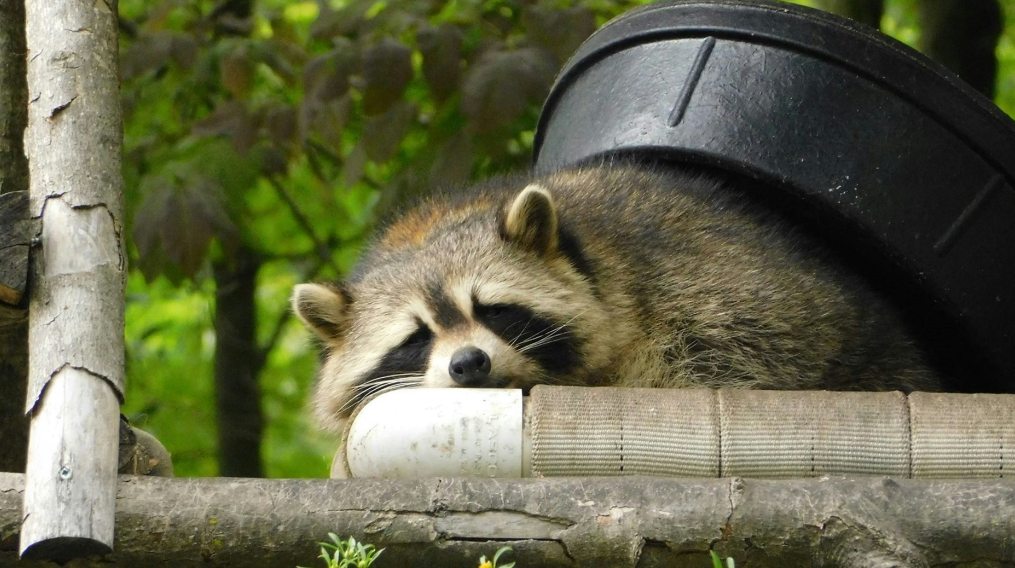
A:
(419, 337)
(492, 311)
(502, 316)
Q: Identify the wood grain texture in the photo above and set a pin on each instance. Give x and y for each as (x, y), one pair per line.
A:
(69, 469)
(75, 380)
(558, 522)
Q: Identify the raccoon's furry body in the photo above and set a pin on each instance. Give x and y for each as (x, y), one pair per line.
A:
(600, 276)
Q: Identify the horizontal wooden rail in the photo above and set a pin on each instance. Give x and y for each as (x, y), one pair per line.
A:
(633, 521)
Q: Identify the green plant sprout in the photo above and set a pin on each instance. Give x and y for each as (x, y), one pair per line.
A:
(353, 554)
(484, 563)
(347, 553)
(718, 563)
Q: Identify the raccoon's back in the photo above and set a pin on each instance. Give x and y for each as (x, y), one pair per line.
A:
(725, 291)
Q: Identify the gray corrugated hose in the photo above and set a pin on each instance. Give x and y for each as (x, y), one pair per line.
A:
(604, 431)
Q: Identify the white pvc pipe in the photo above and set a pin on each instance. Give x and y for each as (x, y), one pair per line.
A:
(596, 431)
(437, 432)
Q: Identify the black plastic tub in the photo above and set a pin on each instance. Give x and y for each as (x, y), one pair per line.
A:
(886, 154)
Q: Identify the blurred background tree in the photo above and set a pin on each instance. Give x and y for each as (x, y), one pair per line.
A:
(264, 139)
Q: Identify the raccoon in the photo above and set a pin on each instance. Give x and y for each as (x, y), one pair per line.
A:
(608, 275)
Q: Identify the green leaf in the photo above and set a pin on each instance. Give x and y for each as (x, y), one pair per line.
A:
(383, 133)
(236, 71)
(355, 165)
(441, 48)
(387, 70)
(150, 53)
(280, 121)
(718, 563)
(500, 86)
(184, 50)
(326, 120)
(558, 30)
(500, 552)
(231, 120)
(176, 223)
(345, 22)
(326, 77)
(453, 162)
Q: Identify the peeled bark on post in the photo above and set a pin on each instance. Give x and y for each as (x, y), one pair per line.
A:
(13, 237)
(73, 143)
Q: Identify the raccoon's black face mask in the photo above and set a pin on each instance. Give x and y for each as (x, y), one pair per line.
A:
(493, 308)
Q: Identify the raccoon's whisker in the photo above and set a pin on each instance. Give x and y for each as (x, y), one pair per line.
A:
(528, 343)
(514, 340)
(552, 336)
(389, 379)
(546, 340)
(549, 336)
(377, 386)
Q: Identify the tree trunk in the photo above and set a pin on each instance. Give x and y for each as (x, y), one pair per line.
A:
(13, 177)
(237, 366)
(963, 35)
(559, 522)
(865, 11)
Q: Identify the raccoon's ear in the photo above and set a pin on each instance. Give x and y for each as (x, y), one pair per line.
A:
(531, 220)
(322, 308)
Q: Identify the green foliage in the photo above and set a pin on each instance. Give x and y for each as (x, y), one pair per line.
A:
(1005, 97)
(718, 563)
(348, 553)
(289, 131)
(484, 563)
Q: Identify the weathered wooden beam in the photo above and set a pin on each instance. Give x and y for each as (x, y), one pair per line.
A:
(617, 522)
(14, 244)
(73, 144)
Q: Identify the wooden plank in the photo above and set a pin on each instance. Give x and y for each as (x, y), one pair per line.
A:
(558, 522)
(14, 246)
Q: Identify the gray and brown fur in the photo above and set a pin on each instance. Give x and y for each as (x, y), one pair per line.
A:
(617, 276)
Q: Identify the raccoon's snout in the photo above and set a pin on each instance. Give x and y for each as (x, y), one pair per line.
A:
(470, 366)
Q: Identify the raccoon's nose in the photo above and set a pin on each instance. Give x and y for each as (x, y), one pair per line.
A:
(470, 366)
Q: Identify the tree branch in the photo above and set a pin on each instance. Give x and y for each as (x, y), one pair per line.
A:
(322, 250)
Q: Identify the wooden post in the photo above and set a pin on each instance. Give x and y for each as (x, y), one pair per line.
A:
(73, 144)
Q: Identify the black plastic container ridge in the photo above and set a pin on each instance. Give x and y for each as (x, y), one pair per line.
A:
(887, 154)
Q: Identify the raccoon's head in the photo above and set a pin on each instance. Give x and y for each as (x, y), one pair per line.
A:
(478, 294)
